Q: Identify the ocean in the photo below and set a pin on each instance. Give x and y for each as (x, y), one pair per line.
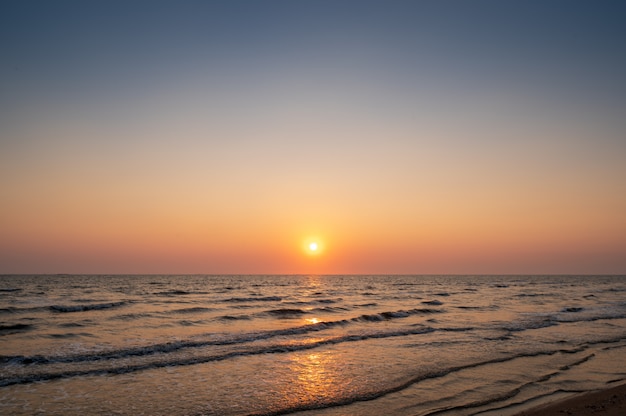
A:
(305, 345)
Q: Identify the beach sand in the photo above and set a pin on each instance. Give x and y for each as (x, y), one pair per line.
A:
(609, 402)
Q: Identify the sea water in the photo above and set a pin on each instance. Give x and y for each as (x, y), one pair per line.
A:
(311, 345)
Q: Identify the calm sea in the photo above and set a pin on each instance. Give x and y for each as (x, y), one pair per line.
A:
(311, 345)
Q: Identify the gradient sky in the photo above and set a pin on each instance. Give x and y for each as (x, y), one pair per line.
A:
(403, 136)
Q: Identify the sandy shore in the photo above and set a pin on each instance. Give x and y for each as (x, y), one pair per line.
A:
(610, 402)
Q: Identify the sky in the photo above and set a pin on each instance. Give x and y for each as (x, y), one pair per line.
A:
(402, 137)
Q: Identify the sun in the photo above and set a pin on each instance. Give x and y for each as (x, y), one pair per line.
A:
(313, 246)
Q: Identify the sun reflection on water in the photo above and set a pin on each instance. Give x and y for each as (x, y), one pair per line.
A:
(316, 378)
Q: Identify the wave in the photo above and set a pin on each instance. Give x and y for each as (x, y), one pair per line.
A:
(62, 308)
(329, 300)
(166, 360)
(179, 292)
(382, 316)
(71, 325)
(234, 318)
(12, 309)
(197, 309)
(330, 309)
(254, 299)
(68, 335)
(479, 308)
(186, 322)
(344, 401)
(123, 369)
(385, 316)
(588, 316)
(531, 324)
(315, 302)
(281, 348)
(517, 390)
(566, 316)
(433, 302)
(131, 316)
(85, 307)
(9, 329)
(240, 340)
(286, 312)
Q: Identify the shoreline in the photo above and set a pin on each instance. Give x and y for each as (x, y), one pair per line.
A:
(607, 402)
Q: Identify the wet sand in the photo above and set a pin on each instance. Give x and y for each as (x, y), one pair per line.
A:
(609, 402)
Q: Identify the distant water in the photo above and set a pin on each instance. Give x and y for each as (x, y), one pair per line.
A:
(312, 345)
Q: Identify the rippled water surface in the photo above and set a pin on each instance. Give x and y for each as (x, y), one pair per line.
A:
(336, 345)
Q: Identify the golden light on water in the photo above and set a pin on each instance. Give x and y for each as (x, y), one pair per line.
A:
(314, 376)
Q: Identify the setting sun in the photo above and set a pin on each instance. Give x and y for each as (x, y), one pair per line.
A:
(313, 246)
